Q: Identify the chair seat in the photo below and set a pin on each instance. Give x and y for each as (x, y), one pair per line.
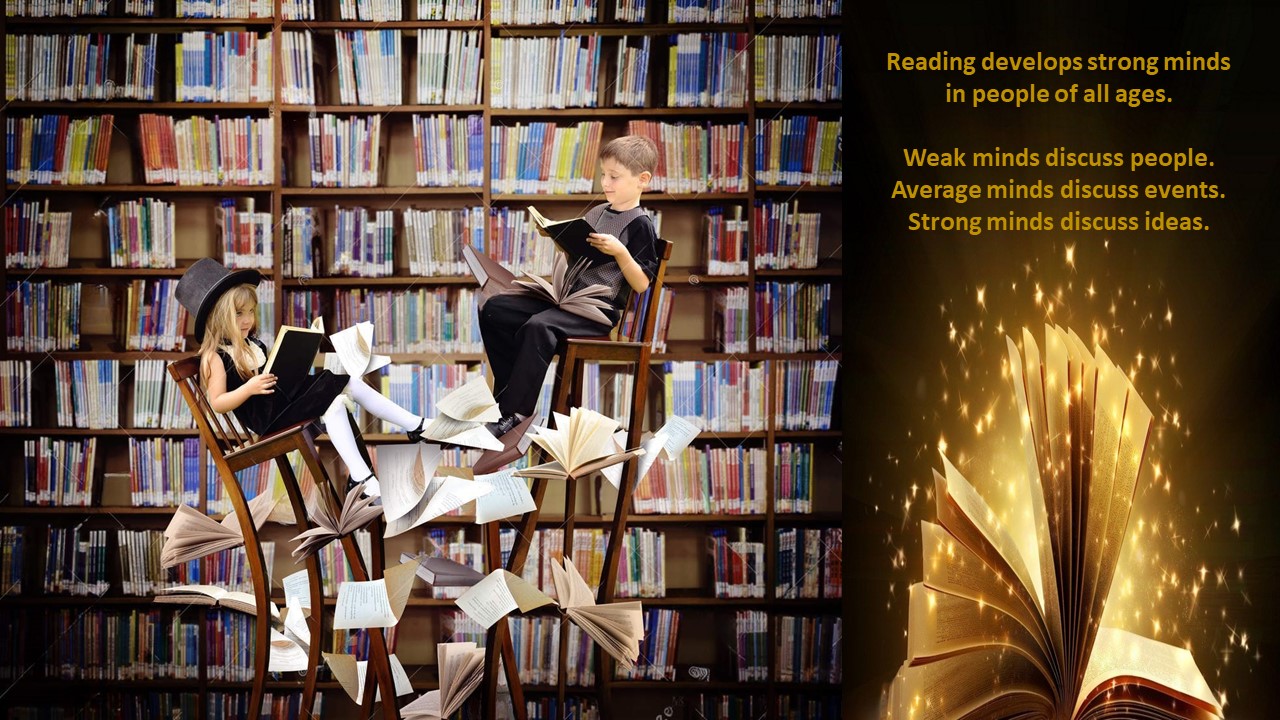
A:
(265, 448)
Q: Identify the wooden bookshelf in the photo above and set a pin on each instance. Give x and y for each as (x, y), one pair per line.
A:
(692, 337)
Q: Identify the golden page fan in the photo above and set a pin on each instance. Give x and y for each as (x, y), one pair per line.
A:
(990, 637)
(617, 628)
(579, 445)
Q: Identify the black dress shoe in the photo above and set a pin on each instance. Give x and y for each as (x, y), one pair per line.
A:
(503, 426)
(415, 435)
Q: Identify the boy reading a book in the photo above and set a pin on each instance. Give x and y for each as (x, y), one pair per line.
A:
(224, 305)
(521, 333)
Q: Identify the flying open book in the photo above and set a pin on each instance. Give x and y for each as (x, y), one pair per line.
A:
(461, 669)
(589, 301)
(1008, 629)
(212, 595)
(617, 628)
(293, 355)
(356, 512)
(191, 534)
(579, 445)
(570, 236)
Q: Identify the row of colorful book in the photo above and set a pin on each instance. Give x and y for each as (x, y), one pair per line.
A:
(51, 68)
(711, 481)
(809, 563)
(791, 317)
(230, 66)
(15, 393)
(798, 68)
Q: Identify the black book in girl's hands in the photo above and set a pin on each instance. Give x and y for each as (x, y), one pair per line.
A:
(294, 353)
(570, 236)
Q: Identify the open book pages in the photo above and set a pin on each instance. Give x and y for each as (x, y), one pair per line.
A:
(213, 595)
(670, 440)
(351, 673)
(579, 445)
(461, 670)
(374, 603)
(286, 655)
(443, 493)
(498, 594)
(492, 277)
(1028, 609)
(191, 534)
(589, 301)
(617, 628)
(356, 512)
(353, 352)
(443, 572)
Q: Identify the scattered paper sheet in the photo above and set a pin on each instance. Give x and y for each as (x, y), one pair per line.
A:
(375, 603)
(351, 673)
(443, 494)
(473, 402)
(295, 620)
(445, 429)
(298, 585)
(510, 496)
(403, 471)
(285, 654)
(353, 348)
(498, 594)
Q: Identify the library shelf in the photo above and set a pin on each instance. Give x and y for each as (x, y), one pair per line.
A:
(109, 432)
(346, 281)
(836, 189)
(649, 198)
(293, 192)
(82, 271)
(381, 25)
(72, 510)
(137, 106)
(380, 109)
(145, 23)
(613, 29)
(621, 112)
(144, 189)
(695, 277)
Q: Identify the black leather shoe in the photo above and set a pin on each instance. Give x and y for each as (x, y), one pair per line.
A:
(503, 426)
(415, 435)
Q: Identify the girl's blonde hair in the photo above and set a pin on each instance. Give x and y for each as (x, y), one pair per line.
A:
(222, 332)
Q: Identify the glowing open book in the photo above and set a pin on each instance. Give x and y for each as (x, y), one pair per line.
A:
(1006, 629)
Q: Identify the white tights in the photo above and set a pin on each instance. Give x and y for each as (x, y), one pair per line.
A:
(344, 440)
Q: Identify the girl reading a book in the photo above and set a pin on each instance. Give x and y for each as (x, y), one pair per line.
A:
(224, 304)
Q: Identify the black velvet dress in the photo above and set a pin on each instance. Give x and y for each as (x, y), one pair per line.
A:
(264, 414)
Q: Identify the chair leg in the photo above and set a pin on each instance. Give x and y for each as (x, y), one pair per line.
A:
(315, 621)
(261, 587)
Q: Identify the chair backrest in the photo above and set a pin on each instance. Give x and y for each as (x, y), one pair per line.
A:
(640, 319)
(218, 430)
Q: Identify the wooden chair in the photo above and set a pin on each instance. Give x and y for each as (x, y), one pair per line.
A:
(233, 450)
(634, 350)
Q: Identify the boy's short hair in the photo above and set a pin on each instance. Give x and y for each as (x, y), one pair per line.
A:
(636, 153)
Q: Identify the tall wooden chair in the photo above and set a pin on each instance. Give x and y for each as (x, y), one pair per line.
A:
(233, 450)
(635, 349)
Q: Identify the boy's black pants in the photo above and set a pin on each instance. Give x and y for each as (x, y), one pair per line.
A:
(521, 334)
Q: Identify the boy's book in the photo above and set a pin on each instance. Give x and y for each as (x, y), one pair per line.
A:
(570, 236)
(589, 301)
(293, 354)
(1027, 609)
(212, 595)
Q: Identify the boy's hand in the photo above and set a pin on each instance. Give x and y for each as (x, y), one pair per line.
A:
(608, 244)
(261, 384)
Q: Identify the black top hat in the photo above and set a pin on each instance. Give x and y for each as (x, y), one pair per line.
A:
(203, 283)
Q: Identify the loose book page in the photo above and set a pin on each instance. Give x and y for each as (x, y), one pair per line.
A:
(460, 432)
(473, 402)
(510, 496)
(350, 674)
(375, 603)
(285, 654)
(443, 494)
(403, 471)
(298, 585)
(295, 620)
(354, 349)
(678, 433)
(498, 594)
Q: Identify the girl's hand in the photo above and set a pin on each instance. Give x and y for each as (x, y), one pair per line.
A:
(608, 244)
(261, 384)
